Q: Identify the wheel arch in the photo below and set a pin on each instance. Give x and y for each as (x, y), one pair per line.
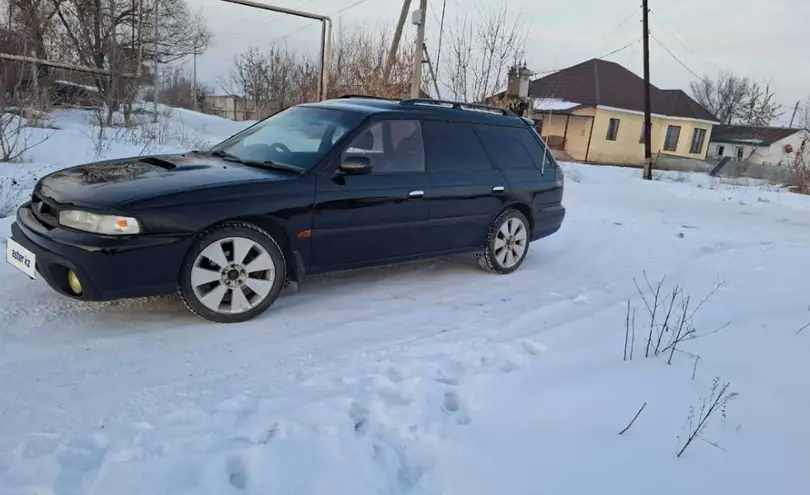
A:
(523, 208)
(274, 227)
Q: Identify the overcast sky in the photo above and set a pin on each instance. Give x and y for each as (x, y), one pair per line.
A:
(769, 41)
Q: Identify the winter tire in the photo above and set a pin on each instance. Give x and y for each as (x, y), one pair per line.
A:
(233, 273)
(507, 243)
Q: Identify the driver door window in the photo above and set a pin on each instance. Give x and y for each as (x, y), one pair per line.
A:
(296, 143)
(392, 146)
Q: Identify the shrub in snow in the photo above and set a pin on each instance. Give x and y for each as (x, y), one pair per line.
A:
(671, 319)
(718, 399)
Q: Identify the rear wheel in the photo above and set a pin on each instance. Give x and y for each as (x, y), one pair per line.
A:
(507, 243)
(233, 273)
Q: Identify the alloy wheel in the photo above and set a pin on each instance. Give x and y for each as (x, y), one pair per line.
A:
(232, 275)
(511, 242)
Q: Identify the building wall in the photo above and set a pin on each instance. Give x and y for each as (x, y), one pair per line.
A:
(579, 130)
(628, 148)
(231, 107)
(749, 152)
(773, 155)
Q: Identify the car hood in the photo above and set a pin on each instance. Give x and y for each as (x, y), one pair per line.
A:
(111, 183)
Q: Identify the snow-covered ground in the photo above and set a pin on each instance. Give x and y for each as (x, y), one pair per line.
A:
(437, 378)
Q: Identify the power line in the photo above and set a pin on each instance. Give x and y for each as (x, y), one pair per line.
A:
(678, 40)
(674, 57)
(331, 14)
(603, 56)
(601, 43)
(632, 14)
(441, 38)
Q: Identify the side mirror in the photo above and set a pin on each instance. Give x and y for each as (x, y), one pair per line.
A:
(355, 165)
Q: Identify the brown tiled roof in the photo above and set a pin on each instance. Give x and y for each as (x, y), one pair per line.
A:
(746, 134)
(599, 82)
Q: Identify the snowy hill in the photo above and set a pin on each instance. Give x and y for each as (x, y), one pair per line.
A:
(74, 138)
(435, 378)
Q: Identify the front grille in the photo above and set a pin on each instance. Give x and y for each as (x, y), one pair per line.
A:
(45, 211)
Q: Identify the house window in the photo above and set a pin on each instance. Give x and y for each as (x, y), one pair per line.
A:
(698, 136)
(720, 150)
(740, 153)
(613, 130)
(671, 141)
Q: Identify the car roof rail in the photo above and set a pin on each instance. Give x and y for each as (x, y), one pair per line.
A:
(457, 105)
(367, 97)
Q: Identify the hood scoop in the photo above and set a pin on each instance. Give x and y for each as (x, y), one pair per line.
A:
(158, 162)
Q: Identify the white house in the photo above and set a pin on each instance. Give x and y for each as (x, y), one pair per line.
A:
(760, 145)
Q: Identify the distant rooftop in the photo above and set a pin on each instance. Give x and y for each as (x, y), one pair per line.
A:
(601, 83)
(745, 134)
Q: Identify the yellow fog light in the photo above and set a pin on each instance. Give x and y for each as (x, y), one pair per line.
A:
(73, 282)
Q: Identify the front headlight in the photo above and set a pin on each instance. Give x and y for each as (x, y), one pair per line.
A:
(99, 224)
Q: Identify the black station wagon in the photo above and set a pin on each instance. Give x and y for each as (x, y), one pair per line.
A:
(340, 184)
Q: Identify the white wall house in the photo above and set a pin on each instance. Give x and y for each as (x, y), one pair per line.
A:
(760, 145)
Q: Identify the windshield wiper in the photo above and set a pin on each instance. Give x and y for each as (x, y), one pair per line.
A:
(258, 163)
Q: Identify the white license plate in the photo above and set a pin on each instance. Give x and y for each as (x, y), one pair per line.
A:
(21, 258)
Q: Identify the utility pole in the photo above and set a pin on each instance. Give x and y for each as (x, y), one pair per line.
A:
(155, 67)
(647, 110)
(194, 80)
(392, 53)
(432, 73)
(419, 20)
(793, 117)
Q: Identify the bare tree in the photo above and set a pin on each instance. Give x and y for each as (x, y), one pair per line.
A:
(759, 109)
(358, 60)
(481, 52)
(737, 100)
(305, 75)
(15, 105)
(723, 96)
(34, 21)
(800, 164)
(111, 34)
(249, 80)
(177, 89)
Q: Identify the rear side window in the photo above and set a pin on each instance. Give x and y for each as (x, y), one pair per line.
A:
(513, 147)
(504, 146)
(453, 147)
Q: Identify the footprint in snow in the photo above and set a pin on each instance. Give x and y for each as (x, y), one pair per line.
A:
(395, 374)
(581, 299)
(447, 379)
(533, 348)
(39, 444)
(359, 416)
(237, 470)
(268, 434)
(452, 405)
(79, 462)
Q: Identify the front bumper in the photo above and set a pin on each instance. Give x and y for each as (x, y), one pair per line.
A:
(109, 268)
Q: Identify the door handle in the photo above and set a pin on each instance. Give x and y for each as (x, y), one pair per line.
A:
(416, 194)
(498, 189)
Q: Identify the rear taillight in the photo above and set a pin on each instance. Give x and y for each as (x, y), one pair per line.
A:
(559, 177)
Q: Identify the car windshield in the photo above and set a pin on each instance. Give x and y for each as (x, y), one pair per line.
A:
(297, 136)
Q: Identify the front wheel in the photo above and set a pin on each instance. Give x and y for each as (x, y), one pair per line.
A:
(233, 273)
(507, 243)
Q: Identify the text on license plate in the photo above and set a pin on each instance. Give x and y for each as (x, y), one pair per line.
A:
(21, 258)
